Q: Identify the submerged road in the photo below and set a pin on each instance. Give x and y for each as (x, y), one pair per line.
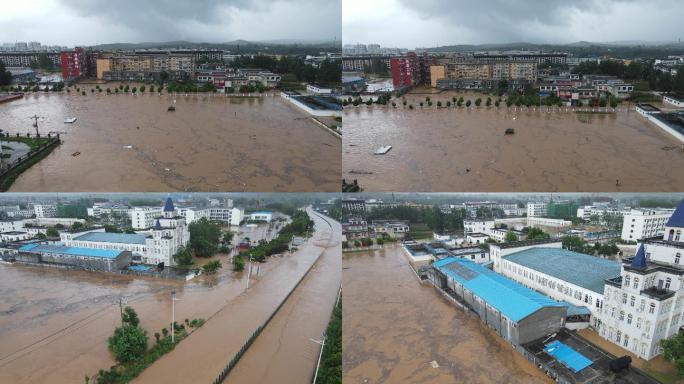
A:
(284, 352)
(200, 357)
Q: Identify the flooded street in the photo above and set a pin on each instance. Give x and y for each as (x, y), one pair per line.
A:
(210, 143)
(394, 327)
(284, 352)
(63, 318)
(466, 150)
(201, 356)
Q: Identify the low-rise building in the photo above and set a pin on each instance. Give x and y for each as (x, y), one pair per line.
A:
(108, 260)
(516, 313)
(395, 229)
(318, 89)
(476, 238)
(266, 216)
(548, 222)
(564, 275)
(644, 223)
(478, 226)
(355, 228)
(499, 234)
(45, 210)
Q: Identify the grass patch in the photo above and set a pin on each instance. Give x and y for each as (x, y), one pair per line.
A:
(8, 179)
(662, 377)
(124, 373)
(330, 371)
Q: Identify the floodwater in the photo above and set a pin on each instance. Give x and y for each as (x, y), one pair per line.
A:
(200, 357)
(210, 143)
(284, 352)
(62, 318)
(394, 327)
(466, 150)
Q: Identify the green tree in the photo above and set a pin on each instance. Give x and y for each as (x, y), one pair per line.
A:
(77, 226)
(510, 236)
(574, 243)
(211, 267)
(128, 343)
(677, 83)
(5, 75)
(204, 237)
(673, 350)
(183, 257)
(130, 317)
(52, 232)
(537, 234)
(238, 263)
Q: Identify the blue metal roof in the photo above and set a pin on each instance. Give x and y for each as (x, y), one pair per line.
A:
(513, 300)
(107, 237)
(168, 205)
(72, 251)
(677, 218)
(567, 356)
(574, 310)
(582, 270)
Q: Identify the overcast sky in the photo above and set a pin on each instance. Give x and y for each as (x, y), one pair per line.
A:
(429, 23)
(90, 22)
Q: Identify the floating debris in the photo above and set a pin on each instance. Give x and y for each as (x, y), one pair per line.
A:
(434, 364)
(383, 150)
(70, 120)
(128, 147)
(509, 131)
(75, 154)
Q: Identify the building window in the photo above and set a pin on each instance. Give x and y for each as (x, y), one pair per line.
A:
(677, 257)
(626, 342)
(624, 298)
(629, 319)
(618, 337)
(622, 315)
(651, 309)
(638, 324)
(668, 281)
(636, 283)
(627, 281)
(631, 301)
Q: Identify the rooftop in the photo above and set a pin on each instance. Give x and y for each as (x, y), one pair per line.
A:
(71, 251)
(513, 300)
(677, 218)
(582, 270)
(106, 237)
(525, 243)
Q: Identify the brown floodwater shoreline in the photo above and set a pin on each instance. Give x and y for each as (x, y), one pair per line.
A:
(394, 327)
(459, 149)
(210, 143)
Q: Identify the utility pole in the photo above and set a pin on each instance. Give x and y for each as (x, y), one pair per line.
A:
(173, 315)
(35, 123)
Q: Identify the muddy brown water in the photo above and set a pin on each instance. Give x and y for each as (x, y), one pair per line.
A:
(200, 357)
(62, 318)
(466, 150)
(210, 143)
(284, 352)
(394, 327)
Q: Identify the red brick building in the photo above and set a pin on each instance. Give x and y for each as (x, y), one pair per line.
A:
(74, 64)
(414, 69)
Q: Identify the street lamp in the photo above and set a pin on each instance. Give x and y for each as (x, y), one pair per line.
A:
(320, 355)
(173, 315)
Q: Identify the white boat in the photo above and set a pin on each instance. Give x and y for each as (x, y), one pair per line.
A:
(70, 120)
(383, 150)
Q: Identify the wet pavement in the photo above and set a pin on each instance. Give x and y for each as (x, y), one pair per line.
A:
(210, 143)
(394, 327)
(452, 149)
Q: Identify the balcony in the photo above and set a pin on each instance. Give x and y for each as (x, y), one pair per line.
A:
(658, 294)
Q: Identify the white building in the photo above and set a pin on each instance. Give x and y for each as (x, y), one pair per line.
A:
(192, 214)
(156, 245)
(15, 236)
(144, 217)
(11, 225)
(644, 223)
(548, 222)
(478, 226)
(266, 216)
(673, 100)
(476, 254)
(646, 303)
(498, 251)
(233, 216)
(536, 209)
(599, 209)
(393, 229)
(318, 89)
(476, 238)
(563, 275)
(99, 209)
(52, 221)
(499, 234)
(45, 210)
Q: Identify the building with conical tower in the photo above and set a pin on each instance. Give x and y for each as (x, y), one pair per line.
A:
(644, 304)
(167, 236)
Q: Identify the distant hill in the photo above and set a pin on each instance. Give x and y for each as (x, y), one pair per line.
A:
(244, 46)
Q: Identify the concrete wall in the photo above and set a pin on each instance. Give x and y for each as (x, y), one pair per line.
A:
(541, 323)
